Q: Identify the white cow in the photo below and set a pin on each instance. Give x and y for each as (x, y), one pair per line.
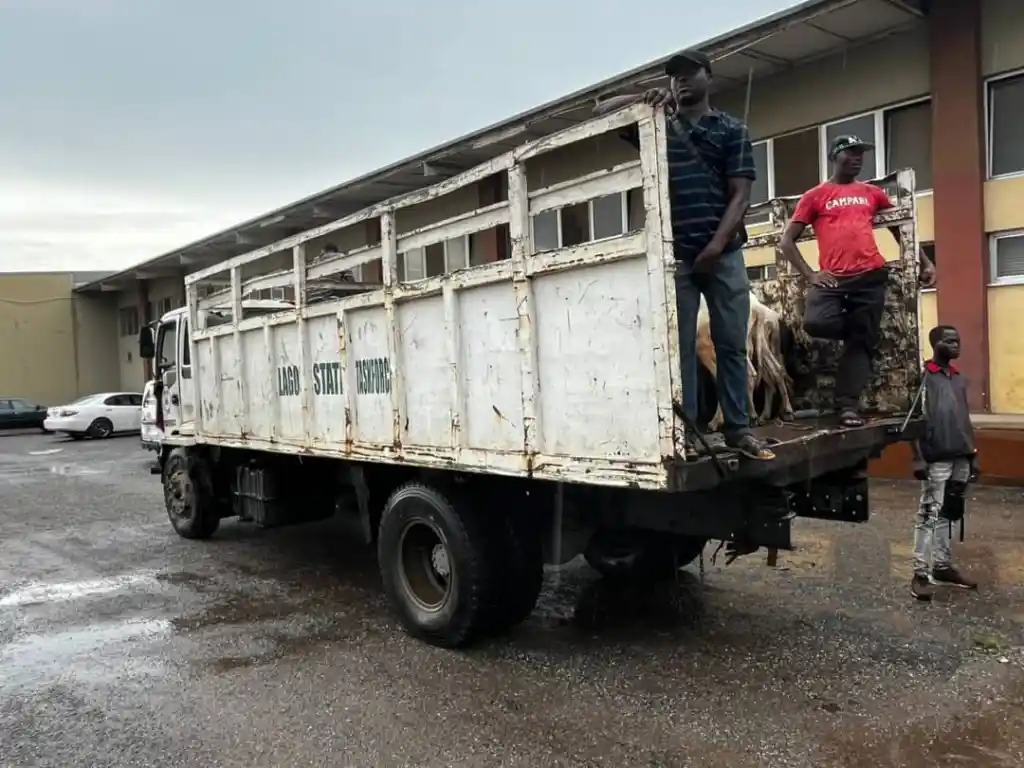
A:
(764, 358)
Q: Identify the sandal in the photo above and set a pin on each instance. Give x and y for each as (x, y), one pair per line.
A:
(850, 418)
(751, 447)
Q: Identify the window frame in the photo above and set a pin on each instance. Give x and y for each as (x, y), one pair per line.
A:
(132, 313)
(881, 150)
(557, 212)
(987, 107)
(421, 250)
(993, 260)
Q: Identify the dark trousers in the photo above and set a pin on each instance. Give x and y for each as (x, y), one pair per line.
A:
(852, 313)
(727, 292)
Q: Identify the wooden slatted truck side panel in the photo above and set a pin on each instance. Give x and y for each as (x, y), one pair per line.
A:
(560, 364)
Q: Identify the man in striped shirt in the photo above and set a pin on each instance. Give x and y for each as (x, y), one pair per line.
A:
(711, 170)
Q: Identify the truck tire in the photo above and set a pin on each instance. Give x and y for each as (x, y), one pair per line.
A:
(523, 570)
(616, 554)
(192, 516)
(437, 559)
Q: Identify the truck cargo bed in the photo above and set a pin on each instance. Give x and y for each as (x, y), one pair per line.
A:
(428, 343)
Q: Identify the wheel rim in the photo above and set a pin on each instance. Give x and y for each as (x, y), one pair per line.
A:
(179, 495)
(102, 429)
(425, 565)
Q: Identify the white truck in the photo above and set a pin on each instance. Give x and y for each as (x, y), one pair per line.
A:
(478, 417)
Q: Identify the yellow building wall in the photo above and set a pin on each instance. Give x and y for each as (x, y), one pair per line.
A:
(1004, 210)
(37, 338)
(96, 349)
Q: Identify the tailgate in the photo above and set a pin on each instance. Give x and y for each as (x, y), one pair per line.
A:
(804, 450)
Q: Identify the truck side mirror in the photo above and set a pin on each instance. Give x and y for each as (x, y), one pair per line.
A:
(147, 349)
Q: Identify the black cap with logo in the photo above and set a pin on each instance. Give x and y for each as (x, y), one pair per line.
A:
(844, 143)
(687, 61)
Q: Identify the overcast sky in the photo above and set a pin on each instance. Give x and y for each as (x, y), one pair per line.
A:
(131, 127)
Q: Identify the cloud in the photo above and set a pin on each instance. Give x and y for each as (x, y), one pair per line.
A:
(130, 127)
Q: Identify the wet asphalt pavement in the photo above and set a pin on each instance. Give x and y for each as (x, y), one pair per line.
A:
(123, 645)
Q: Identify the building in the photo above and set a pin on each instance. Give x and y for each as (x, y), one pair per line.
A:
(56, 343)
(938, 85)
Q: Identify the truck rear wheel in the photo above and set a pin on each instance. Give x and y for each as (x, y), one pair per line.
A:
(617, 554)
(437, 561)
(523, 570)
(192, 516)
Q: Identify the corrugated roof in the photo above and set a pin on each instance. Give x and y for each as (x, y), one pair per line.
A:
(796, 35)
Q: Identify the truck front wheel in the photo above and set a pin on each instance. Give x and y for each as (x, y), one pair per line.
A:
(192, 516)
(438, 563)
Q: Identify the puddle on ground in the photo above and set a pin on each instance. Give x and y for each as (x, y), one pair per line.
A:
(37, 594)
(90, 654)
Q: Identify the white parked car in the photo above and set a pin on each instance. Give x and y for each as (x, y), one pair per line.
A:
(97, 416)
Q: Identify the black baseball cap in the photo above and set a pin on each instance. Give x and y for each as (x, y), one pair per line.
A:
(686, 61)
(844, 143)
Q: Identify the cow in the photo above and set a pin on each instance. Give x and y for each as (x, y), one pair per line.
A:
(764, 359)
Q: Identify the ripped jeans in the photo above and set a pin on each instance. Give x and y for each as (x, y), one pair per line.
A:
(931, 531)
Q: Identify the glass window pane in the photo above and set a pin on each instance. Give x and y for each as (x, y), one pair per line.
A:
(545, 231)
(1006, 113)
(1009, 256)
(435, 259)
(797, 162)
(863, 128)
(415, 269)
(575, 224)
(908, 141)
(455, 254)
(608, 212)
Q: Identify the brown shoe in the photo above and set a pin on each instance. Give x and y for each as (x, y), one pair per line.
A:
(921, 588)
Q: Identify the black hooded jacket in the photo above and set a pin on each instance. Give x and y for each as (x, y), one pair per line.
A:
(948, 433)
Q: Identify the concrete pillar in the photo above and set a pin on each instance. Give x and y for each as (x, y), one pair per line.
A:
(958, 167)
(145, 316)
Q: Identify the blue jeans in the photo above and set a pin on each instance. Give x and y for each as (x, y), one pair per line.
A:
(727, 292)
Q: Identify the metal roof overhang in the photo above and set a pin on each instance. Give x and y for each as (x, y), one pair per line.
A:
(806, 32)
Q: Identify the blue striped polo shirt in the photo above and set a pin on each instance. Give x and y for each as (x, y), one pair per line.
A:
(700, 195)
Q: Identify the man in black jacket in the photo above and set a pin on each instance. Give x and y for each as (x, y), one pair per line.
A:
(945, 462)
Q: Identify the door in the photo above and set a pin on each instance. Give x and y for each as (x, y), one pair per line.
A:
(135, 409)
(186, 384)
(27, 414)
(167, 370)
(7, 415)
(118, 409)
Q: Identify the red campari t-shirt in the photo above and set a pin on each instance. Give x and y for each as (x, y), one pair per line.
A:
(841, 216)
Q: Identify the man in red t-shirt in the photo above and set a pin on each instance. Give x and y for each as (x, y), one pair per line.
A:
(847, 296)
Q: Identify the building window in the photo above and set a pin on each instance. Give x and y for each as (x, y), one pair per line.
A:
(764, 272)
(761, 190)
(864, 128)
(1005, 115)
(434, 259)
(596, 219)
(1006, 251)
(128, 320)
(796, 166)
(908, 141)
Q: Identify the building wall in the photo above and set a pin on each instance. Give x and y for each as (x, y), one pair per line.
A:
(40, 321)
(1002, 45)
(96, 350)
(130, 368)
